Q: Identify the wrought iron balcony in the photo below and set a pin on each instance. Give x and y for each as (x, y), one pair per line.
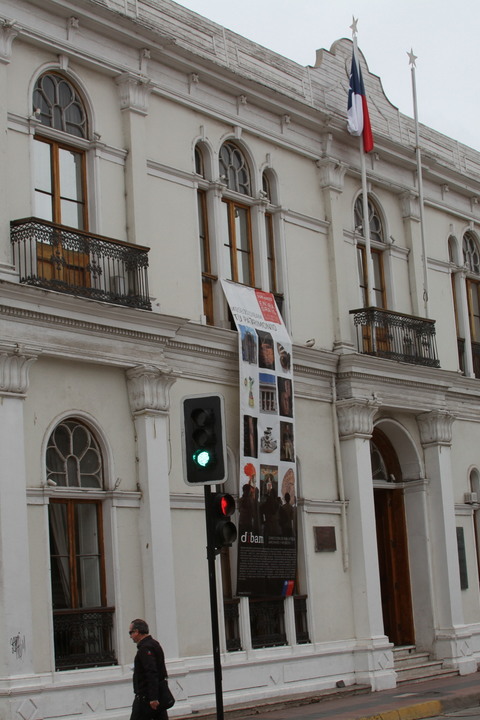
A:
(301, 620)
(83, 638)
(267, 622)
(396, 336)
(232, 623)
(75, 262)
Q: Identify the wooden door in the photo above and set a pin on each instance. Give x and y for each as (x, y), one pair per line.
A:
(60, 198)
(67, 267)
(394, 566)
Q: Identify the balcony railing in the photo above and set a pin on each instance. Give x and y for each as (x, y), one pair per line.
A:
(301, 623)
(83, 638)
(232, 623)
(75, 262)
(396, 336)
(267, 622)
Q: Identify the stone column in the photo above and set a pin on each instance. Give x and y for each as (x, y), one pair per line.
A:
(373, 658)
(16, 632)
(452, 639)
(148, 389)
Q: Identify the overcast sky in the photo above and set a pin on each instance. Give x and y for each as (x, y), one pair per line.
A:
(444, 34)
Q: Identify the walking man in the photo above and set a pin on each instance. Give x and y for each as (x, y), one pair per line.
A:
(148, 670)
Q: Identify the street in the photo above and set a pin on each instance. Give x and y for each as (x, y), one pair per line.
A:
(470, 713)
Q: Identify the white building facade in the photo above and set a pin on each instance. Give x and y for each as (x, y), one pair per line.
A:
(147, 155)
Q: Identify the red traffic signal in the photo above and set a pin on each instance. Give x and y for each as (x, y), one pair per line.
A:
(221, 530)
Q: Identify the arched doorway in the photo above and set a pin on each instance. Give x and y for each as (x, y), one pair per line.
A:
(392, 541)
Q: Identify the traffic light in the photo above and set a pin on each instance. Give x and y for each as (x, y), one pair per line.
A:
(203, 439)
(220, 529)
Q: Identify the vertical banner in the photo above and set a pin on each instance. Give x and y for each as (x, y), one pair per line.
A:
(267, 553)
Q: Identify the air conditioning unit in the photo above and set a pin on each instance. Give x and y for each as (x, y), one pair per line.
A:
(470, 498)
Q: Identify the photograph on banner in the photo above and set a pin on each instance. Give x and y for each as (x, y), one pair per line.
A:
(267, 493)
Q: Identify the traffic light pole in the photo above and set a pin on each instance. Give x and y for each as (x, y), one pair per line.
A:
(211, 554)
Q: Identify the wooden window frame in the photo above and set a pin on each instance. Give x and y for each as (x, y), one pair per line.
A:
(232, 205)
(363, 280)
(473, 285)
(271, 255)
(73, 556)
(55, 147)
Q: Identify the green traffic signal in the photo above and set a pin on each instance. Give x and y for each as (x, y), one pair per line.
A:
(203, 439)
(203, 458)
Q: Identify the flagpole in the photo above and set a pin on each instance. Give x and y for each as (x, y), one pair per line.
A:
(412, 59)
(366, 227)
(366, 215)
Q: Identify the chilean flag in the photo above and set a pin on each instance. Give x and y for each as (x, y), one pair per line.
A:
(358, 119)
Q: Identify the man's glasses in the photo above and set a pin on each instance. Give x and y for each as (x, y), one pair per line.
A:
(130, 632)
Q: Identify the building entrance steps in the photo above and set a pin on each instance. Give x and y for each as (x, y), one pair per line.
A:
(409, 701)
(412, 665)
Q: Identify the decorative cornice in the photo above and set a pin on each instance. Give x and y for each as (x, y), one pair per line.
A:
(436, 428)
(14, 370)
(355, 417)
(149, 388)
(77, 324)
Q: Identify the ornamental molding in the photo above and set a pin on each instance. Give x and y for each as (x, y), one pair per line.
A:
(14, 370)
(410, 206)
(436, 428)
(8, 33)
(355, 417)
(332, 174)
(134, 92)
(149, 388)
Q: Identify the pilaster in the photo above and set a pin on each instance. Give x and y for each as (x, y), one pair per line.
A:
(451, 641)
(148, 390)
(332, 174)
(134, 93)
(7, 35)
(373, 656)
(16, 631)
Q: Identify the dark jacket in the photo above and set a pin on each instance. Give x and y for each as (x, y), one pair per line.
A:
(149, 668)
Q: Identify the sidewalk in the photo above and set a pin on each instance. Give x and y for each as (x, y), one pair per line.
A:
(409, 701)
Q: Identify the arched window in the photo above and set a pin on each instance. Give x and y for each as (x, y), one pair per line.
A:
(81, 619)
(234, 169)
(238, 227)
(471, 256)
(60, 173)
(238, 245)
(385, 464)
(377, 240)
(270, 240)
(208, 278)
(73, 457)
(57, 105)
(60, 181)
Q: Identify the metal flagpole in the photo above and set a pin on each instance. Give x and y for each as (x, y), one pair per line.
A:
(412, 59)
(366, 217)
(366, 227)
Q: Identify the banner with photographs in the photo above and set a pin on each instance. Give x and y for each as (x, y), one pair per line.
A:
(267, 553)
